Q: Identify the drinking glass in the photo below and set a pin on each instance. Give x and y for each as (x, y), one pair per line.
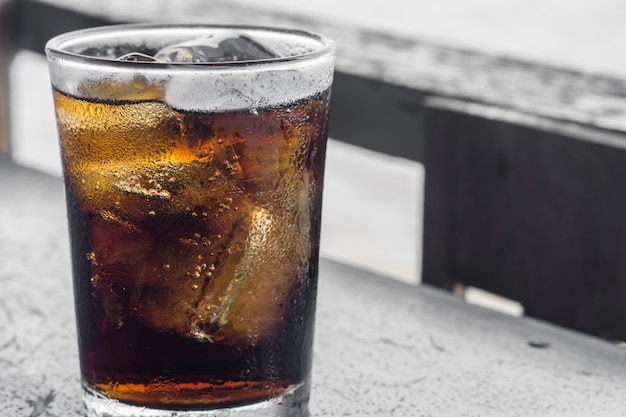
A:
(193, 160)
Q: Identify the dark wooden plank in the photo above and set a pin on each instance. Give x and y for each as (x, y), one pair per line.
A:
(528, 208)
(376, 115)
(382, 348)
(7, 51)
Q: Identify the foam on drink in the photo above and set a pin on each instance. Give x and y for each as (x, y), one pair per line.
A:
(285, 80)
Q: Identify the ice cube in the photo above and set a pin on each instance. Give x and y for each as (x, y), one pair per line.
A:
(227, 46)
(184, 268)
(230, 281)
(136, 56)
(249, 298)
(261, 223)
(135, 89)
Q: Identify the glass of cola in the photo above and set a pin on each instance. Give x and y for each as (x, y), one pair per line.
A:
(193, 162)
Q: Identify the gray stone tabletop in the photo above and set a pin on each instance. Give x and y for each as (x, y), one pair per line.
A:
(382, 347)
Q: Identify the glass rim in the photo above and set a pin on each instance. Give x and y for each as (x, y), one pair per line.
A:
(57, 45)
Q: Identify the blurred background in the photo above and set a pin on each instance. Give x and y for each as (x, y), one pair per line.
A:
(582, 34)
(373, 201)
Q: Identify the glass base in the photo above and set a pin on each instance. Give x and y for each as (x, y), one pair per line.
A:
(292, 403)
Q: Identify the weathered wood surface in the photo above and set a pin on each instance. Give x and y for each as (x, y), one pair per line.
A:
(382, 348)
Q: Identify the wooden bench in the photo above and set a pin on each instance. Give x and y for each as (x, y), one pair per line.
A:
(524, 162)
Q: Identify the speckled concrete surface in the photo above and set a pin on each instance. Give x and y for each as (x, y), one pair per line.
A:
(382, 348)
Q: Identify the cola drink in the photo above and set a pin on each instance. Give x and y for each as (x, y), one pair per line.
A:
(195, 232)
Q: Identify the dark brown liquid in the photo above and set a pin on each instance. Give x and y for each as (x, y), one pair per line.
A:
(195, 243)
